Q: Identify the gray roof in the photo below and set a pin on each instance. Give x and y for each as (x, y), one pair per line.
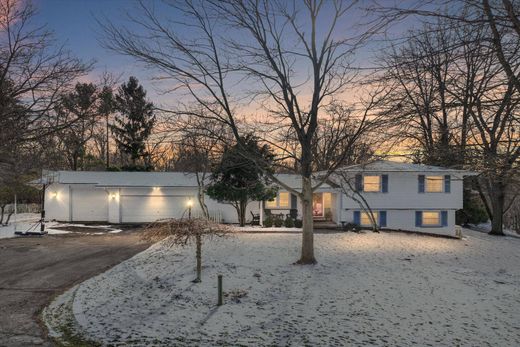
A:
(186, 179)
(138, 179)
(395, 166)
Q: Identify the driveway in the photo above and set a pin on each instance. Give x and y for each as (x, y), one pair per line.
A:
(34, 270)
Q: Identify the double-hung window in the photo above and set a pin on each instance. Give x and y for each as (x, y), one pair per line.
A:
(372, 183)
(431, 218)
(282, 200)
(434, 183)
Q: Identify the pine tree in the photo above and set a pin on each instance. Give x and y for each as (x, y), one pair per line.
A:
(134, 122)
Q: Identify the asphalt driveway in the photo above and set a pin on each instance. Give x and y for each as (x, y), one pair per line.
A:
(34, 270)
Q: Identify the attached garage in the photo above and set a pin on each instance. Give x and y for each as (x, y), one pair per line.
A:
(88, 204)
(149, 208)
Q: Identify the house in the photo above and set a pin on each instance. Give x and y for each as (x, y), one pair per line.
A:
(402, 196)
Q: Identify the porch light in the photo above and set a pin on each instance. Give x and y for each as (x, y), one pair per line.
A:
(190, 203)
(55, 195)
(113, 196)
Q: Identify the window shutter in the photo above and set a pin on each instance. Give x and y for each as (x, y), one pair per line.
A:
(294, 202)
(418, 218)
(444, 218)
(384, 183)
(382, 219)
(447, 183)
(359, 183)
(421, 183)
(357, 217)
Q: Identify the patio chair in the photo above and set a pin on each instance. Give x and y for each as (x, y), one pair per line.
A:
(256, 218)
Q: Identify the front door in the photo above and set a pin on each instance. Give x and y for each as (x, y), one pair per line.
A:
(317, 205)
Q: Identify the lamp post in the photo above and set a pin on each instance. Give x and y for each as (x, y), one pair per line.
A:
(190, 204)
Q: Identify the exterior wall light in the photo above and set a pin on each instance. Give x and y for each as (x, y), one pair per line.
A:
(55, 195)
(113, 195)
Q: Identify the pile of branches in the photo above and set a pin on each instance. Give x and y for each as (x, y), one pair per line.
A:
(182, 231)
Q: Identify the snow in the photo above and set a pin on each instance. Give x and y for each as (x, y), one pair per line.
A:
(367, 289)
(260, 229)
(30, 222)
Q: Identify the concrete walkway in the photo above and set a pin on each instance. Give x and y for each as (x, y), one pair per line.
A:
(34, 270)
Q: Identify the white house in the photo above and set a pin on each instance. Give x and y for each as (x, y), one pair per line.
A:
(402, 196)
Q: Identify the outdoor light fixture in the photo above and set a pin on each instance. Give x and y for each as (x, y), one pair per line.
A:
(55, 195)
(190, 203)
(113, 195)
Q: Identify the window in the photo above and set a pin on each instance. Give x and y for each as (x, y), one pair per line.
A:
(284, 199)
(434, 184)
(270, 203)
(431, 218)
(372, 183)
(365, 219)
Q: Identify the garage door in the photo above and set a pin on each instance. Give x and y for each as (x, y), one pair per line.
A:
(146, 208)
(89, 205)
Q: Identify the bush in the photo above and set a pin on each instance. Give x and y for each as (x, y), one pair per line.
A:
(473, 211)
(298, 223)
(278, 222)
(352, 227)
(268, 222)
(289, 222)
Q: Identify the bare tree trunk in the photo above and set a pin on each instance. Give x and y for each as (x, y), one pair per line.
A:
(198, 241)
(497, 201)
(8, 218)
(307, 256)
(2, 209)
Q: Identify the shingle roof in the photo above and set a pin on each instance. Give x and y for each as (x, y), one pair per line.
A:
(138, 179)
(394, 166)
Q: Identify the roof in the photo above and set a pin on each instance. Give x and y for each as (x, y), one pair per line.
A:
(138, 179)
(107, 179)
(395, 166)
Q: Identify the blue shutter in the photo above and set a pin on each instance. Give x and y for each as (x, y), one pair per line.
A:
(382, 219)
(447, 183)
(418, 218)
(357, 217)
(294, 202)
(384, 183)
(421, 183)
(359, 183)
(444, 218)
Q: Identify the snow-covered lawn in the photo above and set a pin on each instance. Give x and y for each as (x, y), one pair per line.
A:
(367, 289)
(30, 222)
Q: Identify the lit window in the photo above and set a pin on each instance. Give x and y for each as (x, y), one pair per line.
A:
(271, 203)
(372, 183)
(284, 199)
(434, 184)
(365, 219)
(431, 218)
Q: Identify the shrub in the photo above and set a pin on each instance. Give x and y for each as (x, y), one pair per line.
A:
(278, 222)
(352, 227)
(289, 222)
(268, 222)
(298, 223)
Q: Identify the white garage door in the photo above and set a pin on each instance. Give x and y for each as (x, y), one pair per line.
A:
(146, 208)
(89, 205)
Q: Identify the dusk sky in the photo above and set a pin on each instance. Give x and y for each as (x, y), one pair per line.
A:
(75, 24)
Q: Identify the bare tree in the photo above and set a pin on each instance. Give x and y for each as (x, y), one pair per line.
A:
(481, 63)
(274, 51)
(180, 232)
(34, 71)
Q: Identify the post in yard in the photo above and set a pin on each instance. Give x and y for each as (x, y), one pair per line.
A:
(220, 294)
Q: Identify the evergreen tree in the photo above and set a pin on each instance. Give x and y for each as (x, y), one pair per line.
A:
(134, 122)
(238, 179)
